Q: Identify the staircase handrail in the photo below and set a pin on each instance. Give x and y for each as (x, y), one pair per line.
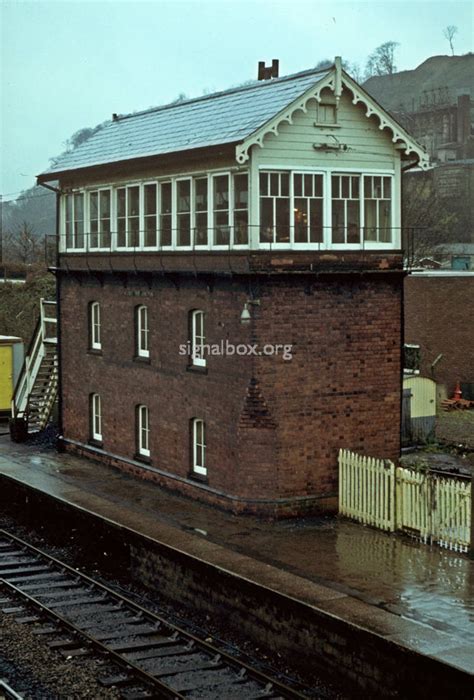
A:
(31, 362)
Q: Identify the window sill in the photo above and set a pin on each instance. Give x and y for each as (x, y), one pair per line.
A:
(143, 360)
(202, 478)
(142, 458)
(326, 125)
(198, 369)
(96, 443)
(94, 351)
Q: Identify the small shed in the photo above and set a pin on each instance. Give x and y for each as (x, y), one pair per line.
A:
(422, 409)
(11, 361)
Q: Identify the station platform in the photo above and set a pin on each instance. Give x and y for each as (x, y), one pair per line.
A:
(417, 598)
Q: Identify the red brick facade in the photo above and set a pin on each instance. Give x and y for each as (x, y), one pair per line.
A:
(439, 311)
(273, 426)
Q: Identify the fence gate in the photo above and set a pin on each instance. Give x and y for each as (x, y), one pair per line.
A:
(430, 507)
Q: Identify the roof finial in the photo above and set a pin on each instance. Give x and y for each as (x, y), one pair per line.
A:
(338, 81)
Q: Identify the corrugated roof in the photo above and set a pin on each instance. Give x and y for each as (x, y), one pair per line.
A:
(224, 117)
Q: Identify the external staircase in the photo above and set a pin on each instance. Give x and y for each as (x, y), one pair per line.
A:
(37, 386)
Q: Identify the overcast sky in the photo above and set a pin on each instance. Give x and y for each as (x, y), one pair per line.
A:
(68, 65)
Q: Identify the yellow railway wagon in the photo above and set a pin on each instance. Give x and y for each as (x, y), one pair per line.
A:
(11, 361)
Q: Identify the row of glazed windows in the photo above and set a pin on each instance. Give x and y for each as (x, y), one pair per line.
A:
(142, 433)
(178, 213)
(296, 209)
(196, 338)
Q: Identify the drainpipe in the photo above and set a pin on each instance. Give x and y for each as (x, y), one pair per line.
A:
(410, 243)
(59, 445)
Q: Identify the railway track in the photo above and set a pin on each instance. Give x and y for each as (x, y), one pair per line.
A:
(143, 654)
(7, 692)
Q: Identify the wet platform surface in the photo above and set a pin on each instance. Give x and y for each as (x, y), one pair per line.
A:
(415, 595)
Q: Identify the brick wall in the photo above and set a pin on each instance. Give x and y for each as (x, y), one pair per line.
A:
(438, 317)
(273, 426)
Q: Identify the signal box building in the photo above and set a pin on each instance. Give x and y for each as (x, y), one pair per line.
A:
(230, 290)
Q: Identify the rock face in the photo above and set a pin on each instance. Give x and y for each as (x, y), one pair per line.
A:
(409, 90)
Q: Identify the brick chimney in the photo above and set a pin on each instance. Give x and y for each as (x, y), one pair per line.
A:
(268, 72)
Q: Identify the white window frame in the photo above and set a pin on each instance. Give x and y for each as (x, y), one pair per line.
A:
(96, 417)
(199, 466)
(95, 326)
(64, 199)
(189, 213)
(99, 234)
(167, 181)
(143, 216)
(297, 244)
(143, 430)
(200, 246)
(274, 245)
(327, 172)
(239, 246)
(128, 233)
(143, 331)
(346, 200)
(198, 340)
(408, 370)
(212, 211)
(377, 201)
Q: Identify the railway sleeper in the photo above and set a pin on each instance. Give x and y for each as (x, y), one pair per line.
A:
(19, 560)
(48, 576)
(45, 630)
(158, 652)
(91, 611)
(47, 585)
(27, 619)
(167, 667)
(188, 681)
(111, 621)
(23, 572)
(64, 591)
(74, 602)
(136, 693)
(120, 634)
(129, 645)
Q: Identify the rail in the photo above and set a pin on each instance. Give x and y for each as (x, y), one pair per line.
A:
(175, 663)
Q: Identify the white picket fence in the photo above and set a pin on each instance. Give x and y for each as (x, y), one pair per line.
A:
(433, 508)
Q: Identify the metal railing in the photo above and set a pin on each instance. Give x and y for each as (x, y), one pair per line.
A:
(44, 335)
(229, 237)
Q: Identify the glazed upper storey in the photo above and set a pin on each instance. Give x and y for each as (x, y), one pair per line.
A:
(304, 162)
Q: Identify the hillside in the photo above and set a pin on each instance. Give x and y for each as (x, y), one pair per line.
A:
(36, 206)
(403, 91)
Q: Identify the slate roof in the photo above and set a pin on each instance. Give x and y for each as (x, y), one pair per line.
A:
(220, 118)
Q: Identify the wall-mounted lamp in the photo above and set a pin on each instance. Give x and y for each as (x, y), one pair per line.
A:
(245, 316)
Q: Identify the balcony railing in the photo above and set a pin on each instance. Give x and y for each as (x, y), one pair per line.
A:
(228, 238)
(324, 240)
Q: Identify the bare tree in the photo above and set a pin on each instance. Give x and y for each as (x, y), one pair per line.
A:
(382, 60)
(23, 245)
(449, 33)
(428, 221)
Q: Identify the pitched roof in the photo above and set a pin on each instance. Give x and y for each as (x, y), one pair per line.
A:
(221, 118)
